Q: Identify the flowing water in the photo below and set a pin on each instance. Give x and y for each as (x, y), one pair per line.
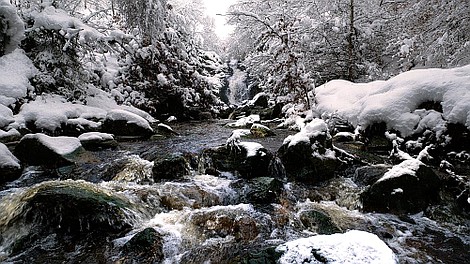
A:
(200, 218)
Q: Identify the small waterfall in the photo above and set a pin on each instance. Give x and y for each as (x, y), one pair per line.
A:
(238, 89)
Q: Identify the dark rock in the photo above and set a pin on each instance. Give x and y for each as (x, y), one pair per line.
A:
(10, 169)
(69, 210)
(237, 159)
(318, 222)
(97, 141)
(460, 137)
(42, 150)
(375, 139)
(9, 173)
(404, 192)
(262, 190)
(145, 247)
(171, 167)
(303, 166)
(260, 131)
(368, 175)
(260, 100)
(222, 224)
(263, 256)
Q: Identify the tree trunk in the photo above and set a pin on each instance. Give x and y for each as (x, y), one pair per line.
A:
(351, 35)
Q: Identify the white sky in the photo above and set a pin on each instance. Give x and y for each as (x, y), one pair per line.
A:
(219, 7)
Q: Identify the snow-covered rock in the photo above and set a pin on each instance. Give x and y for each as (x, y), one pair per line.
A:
(10, 168)
(15, 71)
(248, 159)
(97, 141)
(308, 156)
(52, 113)
(260, 131)
(6, 116)
(10, 135)
(43, 150)
(124, 123)
(245, 122)
(396, 101)
(408, 187)
(351, 247)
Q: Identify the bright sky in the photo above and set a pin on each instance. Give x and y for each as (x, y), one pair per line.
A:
(219, 7)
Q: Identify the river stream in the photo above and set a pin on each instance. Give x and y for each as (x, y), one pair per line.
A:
(200, 218)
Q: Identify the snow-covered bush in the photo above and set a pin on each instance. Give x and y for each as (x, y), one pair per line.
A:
(11, 28)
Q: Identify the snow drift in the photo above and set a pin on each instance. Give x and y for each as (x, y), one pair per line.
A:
(395, 101)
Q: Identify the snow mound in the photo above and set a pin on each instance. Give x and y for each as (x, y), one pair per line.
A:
(60, 145)
(15, 31)
(7, 159)
(352, 247)
(57, 19)
(15, 71)
(130, 118)
(95, 136)
(395, 101)
(51, 112)
(313, 129)
(6, 116)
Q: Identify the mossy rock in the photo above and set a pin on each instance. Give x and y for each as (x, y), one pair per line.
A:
(318, 222)
(144, 247)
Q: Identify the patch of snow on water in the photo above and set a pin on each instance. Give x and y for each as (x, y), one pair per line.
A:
(351, 247)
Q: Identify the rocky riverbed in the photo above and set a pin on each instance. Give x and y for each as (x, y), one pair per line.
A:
(212, 192)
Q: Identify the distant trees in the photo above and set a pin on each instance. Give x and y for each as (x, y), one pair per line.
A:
(293, 45)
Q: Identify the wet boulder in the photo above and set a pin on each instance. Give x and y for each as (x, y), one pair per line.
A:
(368, 175)
(261, 190)
(97, 141)
(260, 131)
(318, 222)
(144, 247)
(43, 150)
(248, 159)
(126, 124)
(9, 136)
(170, 167)
(10, 168)
(308, 156)
(375, 138)
(69, 210)
(408, 187)
(260, 100)
(225, 222)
